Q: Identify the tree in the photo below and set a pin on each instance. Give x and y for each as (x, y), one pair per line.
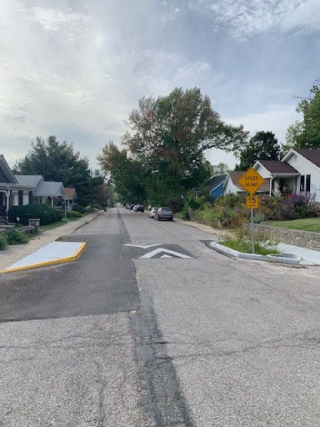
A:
(220, 169)
(262, 146)
(105, 194)
(57, 161)
(125, 173)
(306, 133)
(169, 136)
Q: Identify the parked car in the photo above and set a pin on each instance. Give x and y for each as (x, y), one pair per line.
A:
(131, 207)
(163, 213)
(139, 208)
(152, 211)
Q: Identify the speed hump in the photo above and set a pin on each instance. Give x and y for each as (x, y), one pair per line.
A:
(252, 202)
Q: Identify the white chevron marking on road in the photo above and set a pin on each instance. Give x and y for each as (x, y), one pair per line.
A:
(166, 251)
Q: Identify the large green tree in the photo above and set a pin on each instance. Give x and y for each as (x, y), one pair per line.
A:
(306, 133)
(169, 136)
(58, 161)
(262, 146)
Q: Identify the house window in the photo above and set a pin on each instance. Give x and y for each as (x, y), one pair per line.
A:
(302, 182)
(20, 198)
(308, 182)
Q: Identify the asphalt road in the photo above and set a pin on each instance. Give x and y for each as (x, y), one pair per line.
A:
(153, 328)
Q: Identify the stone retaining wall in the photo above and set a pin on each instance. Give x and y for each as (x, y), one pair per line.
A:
(305, 239)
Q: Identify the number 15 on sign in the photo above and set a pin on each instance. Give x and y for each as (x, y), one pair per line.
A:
(252, 202)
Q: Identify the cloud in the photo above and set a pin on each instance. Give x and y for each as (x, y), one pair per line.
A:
(77, 68)
(276, 119)
(245, 18)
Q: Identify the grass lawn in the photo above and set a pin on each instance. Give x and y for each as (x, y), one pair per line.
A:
(305, 224)
(57, 224)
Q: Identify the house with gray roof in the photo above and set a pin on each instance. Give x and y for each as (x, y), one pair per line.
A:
(51, 193)
(282, 177)
(20, 190)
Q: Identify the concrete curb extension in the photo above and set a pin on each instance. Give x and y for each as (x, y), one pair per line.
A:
(74, 257)
(281, 258)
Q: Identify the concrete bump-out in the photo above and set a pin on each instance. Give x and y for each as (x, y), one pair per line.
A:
(280, 258)
(53, 253)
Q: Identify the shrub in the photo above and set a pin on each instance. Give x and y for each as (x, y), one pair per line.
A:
(16, 237)
(195, 203)
(185, 213)
(295, 206)
(74, 214)
(229, 200)
(79, 208)
(3, 241)
(207, 216)
(45, 213)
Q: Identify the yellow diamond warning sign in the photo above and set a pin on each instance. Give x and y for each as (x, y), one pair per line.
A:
(251, 181)
(252, 202)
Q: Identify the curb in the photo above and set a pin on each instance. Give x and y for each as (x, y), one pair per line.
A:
(72, 258)
(82, 225)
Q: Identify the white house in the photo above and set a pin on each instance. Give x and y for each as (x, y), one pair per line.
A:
(298, 171)
(307, 162)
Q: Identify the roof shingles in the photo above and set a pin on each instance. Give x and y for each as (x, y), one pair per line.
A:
(277, 166)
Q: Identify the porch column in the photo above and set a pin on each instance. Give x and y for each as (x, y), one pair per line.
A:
(8, 204)
(52, 202)
(271, 180)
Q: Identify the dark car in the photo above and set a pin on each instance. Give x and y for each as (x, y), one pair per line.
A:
(139, 208)
(163, 213)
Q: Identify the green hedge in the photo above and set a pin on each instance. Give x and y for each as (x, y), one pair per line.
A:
(44, 212)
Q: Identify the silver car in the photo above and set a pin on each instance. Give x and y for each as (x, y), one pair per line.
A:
(152, 211)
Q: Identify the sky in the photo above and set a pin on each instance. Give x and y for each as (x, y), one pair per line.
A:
(76, 68)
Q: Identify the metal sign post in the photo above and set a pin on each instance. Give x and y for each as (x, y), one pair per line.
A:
(252, 232)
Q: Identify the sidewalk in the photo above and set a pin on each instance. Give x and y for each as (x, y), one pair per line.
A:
(14, 253)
